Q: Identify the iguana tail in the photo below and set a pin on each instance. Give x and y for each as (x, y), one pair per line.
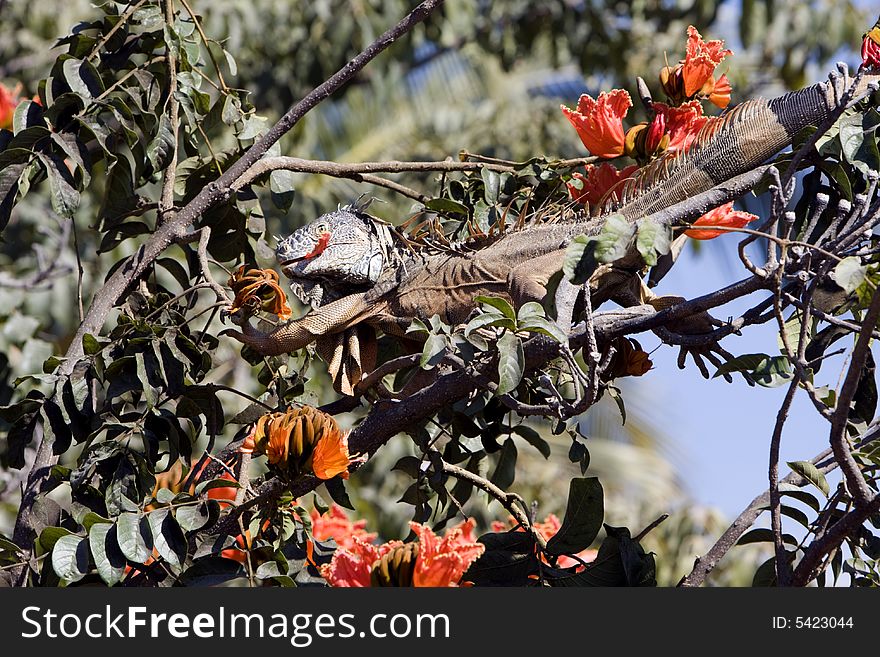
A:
(727, 146)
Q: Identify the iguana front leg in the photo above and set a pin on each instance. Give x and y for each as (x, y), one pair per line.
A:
(333, 318)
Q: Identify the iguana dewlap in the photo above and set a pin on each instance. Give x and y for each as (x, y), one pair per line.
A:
(358, 278)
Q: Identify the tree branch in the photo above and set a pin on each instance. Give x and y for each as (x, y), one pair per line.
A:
(825, 462)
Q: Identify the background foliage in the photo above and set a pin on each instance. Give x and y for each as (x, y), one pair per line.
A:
(157, 385)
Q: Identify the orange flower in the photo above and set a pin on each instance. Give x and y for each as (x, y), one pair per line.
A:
(336, 525)
(683, 123)
(720, 94)
(301, 440)
(8, 102)
(257, 289)
(443, 562)
(331, 457)
(700, 61)
(352, 566)
(599, 181)
(871, 47)
(599, 123)
(724, 216)
(438, 562)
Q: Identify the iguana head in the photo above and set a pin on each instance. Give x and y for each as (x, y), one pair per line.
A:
(339, 251)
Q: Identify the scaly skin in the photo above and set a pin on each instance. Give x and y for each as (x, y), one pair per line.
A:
(352, 271)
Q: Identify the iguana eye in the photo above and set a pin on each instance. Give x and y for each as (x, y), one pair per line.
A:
(320, 228)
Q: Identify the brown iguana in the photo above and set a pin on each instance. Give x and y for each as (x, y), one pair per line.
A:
(353, 270)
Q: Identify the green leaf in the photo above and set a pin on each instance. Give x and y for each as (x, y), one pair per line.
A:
(50, 535)
(583, 517)
(160, 151)
(105, 551)
(849, 273)
(134, 537)
(168, 538)
(763, 535)
(766, 370)
(165, 495)
(282, 189)
(433, 351)
(491, 185)
(533, 438)
(653, 240)
(82, 78)
(446, 205)
(205, 486)
(489, 318)
(511, 363)
(837, 174)
(193, 517)
(812, 474)
(544, 326)
(231, 110)
(580, 262)
(70, 558)
(336, 488)
(91, 346)
(64, 195)
(614, 238)
(505, 470)
(502, 305)
(509, 559)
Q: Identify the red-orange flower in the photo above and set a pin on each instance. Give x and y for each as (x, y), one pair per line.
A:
(599, 181)
(352, 566)
(871, 47)
(700, 61)
(599, 123)
(683, 123)
(437, 562)
(443, 562)
(336, 525)
(8, 102)
(724, 216)
(720, 94)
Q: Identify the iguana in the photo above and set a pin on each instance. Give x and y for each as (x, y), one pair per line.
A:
(358, 276)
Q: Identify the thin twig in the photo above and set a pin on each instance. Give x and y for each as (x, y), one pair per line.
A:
(507, 500)
(855, 481)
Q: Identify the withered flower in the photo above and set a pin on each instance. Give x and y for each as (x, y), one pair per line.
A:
(258, 289)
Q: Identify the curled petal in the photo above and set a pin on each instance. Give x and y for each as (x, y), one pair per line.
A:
(599, 122)
(723, 216)
(720, 95)
(331, 457)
